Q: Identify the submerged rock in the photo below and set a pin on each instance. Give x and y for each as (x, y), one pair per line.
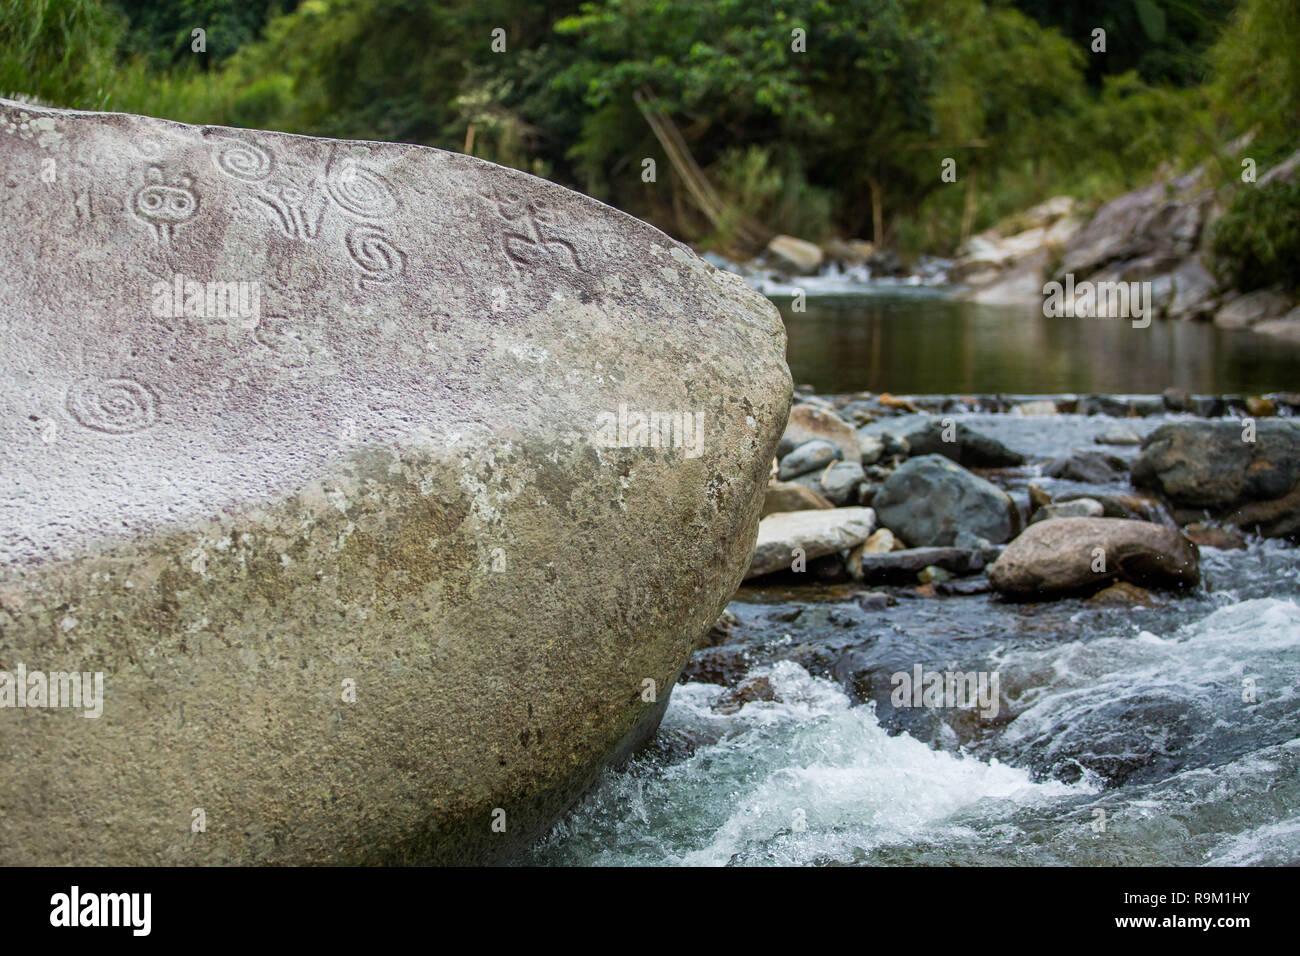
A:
(930, 500)
(1209, 536)
(409, 541)
(1123, 593)
(747, 691)
(1068, 555)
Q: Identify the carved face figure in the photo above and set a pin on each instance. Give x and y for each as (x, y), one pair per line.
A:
(164, 205)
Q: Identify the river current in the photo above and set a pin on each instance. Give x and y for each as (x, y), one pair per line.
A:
(1167, 734)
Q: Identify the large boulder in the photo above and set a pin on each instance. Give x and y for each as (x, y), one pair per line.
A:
(930, 500)
(1160, 220)
(386, 566)
(1215, 466)
(1067, 555)
(785, 538)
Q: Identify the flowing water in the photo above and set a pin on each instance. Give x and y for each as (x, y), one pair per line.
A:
(1167, 734)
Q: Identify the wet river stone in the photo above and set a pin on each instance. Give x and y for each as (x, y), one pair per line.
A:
(930, 501)
(1069, 555)
(1246, 473)
(382, 553)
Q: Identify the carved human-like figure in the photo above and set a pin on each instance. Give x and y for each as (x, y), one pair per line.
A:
(164, 206)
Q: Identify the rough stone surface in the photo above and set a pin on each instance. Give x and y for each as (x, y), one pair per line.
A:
(1209, 466)
(817, 533)
(396, 472)
(1061, 556)
(1160, 219)
(1193, 287)
(810, 456)
(792, 496)
(807, 422)
(957, 441)
(930, 500)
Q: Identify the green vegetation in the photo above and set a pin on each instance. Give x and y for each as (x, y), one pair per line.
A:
(811, 117)
(1258, 238)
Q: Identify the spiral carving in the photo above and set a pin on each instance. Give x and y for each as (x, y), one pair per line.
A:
(361, 192)
(242, 160)
(375, 256)
(115, 406)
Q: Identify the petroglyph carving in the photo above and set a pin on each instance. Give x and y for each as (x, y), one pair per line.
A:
(241, 160)
(360, 192)
(532, 239)
(164, 206)
(377, 258)
(289, 208)
(114, 406)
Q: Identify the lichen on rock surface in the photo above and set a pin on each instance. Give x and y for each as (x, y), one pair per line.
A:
(365, 579)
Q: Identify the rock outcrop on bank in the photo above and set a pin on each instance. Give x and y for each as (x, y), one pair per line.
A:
(1160, 234)
(386, 567)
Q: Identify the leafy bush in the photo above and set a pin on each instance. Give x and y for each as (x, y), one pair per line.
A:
(58, 51)
(1258, 238)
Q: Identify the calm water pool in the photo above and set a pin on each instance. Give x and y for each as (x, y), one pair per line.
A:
(916, 341)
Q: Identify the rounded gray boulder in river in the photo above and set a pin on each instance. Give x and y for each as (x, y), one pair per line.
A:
(364, 474)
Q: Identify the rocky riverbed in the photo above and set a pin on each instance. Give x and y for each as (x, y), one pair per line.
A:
(1159, 236)
(1110, 582)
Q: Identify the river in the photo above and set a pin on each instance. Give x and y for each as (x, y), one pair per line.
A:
(1167, 734)
(915, 341)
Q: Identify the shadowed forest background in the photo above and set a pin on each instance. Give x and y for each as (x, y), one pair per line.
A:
(844, 139)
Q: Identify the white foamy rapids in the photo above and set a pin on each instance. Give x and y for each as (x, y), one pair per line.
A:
(803, 779)
(1251, 646)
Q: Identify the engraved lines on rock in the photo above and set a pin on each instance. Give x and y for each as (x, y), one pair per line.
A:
(164, 205)
(288, 206)
(112, 406)
(531, 239)
(365, 195)
(359, 193)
